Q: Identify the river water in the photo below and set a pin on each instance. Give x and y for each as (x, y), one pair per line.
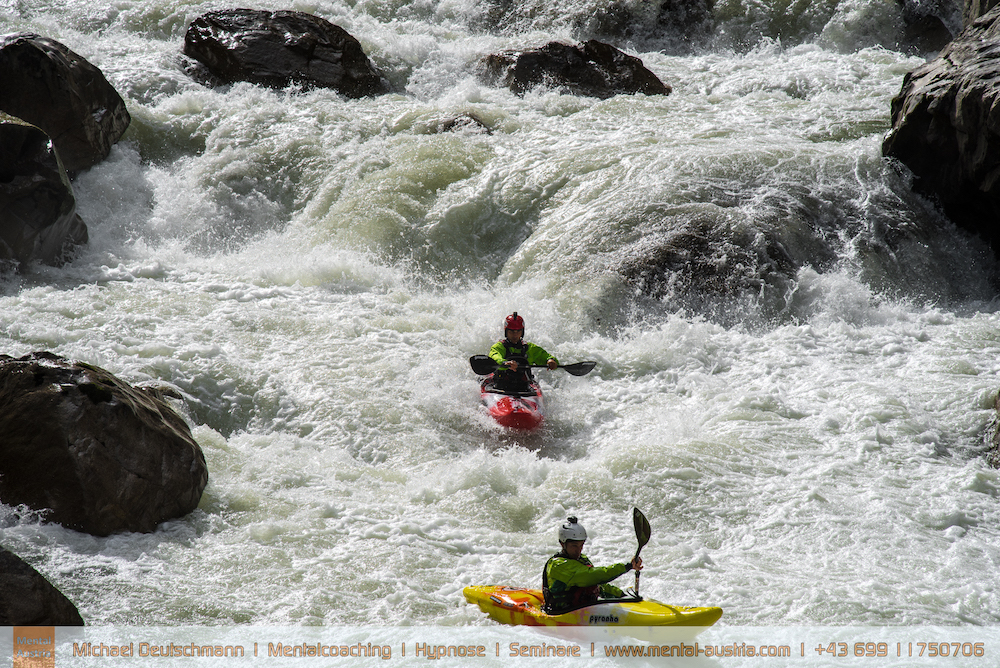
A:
(805, 434)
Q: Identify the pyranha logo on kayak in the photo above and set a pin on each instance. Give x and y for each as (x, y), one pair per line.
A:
(602, 619)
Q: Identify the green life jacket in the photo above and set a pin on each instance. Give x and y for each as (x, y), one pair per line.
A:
(514, 351)
(560, 597)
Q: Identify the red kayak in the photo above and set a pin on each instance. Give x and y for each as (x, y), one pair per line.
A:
(523, 410)
(519, 408)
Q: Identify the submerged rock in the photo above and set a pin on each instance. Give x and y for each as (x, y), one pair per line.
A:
(946, 130)
(676, 26)
(462, 124)
(993, 453)
(100, 455)
(929, 25)
(925, 33)
(686, 21)
(281, 48)
(50, 86)
(28, 599)
(38, 219)
(593, 69)
(702, 266)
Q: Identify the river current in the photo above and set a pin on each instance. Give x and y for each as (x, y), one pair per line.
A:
(312, 274)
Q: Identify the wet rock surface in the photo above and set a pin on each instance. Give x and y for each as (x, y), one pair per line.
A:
(946, 130)
(594, 69)
(99, 455)
(50, 86)
(28, 599)
(281, 48)
(38, 219)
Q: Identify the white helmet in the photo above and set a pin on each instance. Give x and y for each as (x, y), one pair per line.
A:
(571, 530)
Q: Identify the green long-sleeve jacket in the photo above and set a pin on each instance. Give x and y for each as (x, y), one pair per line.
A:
(571, 583)
(503, 350)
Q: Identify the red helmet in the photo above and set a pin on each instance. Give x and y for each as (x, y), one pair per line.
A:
(513, 321)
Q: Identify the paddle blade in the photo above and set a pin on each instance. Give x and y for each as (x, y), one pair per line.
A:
(578, 369)
(482, 365)
(642, 529)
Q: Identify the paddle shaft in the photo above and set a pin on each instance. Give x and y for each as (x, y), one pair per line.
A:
(637, 574)
(482, 365)
(642, 533)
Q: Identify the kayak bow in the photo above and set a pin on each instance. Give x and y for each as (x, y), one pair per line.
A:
(523, 607)
(515, 410)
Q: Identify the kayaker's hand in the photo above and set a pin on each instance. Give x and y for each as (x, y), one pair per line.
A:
(552, 364)
(511, 364)
(637, 564)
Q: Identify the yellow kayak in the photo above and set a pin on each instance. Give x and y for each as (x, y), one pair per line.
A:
(517, 606)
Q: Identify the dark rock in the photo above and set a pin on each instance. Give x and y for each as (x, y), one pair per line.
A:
(946, 130)
(281, 48)
(50, 86)
(28, 599)
(38, 219)
(928, 25)
(594, 69)
(688, 22)
(101, 455)
(925, 34)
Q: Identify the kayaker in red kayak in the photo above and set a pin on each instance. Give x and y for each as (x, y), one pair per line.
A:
(570, 580)
(507, 351)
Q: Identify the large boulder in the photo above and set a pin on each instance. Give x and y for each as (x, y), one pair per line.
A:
(47, 85)
(38, 219)
(946, 129)
(28, 599)
(100, 455)
(593, 69)
(281, 48)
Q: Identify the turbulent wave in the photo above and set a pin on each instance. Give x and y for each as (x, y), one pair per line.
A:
(662, 219)
(685, 26)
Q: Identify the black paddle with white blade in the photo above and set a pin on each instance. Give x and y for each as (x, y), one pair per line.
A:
(642, 532)
(483, 365)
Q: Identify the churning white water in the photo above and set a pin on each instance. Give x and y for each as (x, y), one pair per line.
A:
(312, 274)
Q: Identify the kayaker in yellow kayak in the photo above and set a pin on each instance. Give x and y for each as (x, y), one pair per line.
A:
(570, 580)
(513, 346)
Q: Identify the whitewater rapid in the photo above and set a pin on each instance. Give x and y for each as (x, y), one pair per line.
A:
(312, 274)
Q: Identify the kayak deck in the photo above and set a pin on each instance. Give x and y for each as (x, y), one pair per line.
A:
(523, 410)
(523, 607)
